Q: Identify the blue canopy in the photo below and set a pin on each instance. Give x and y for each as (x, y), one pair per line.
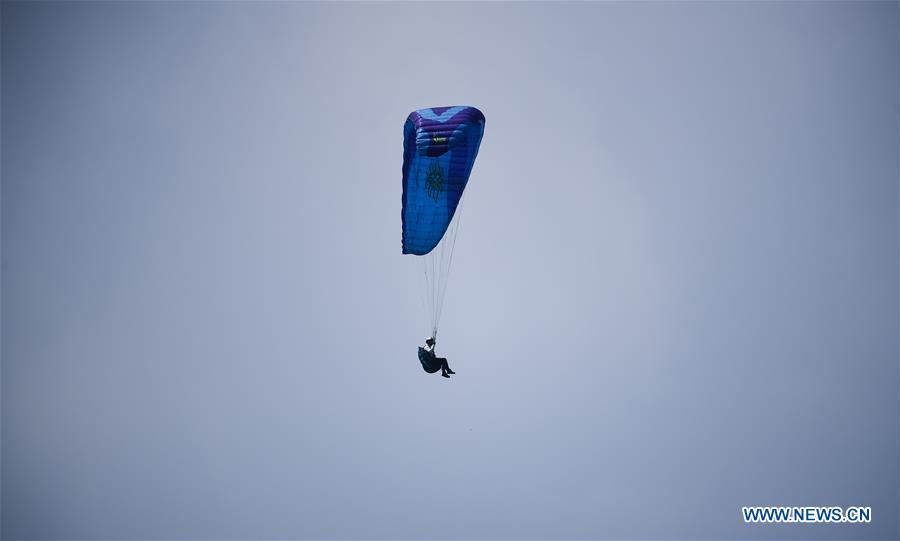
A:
(439, 149)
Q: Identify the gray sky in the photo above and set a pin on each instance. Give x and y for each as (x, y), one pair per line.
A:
(674, 293)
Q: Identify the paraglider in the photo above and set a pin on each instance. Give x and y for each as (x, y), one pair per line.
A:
(439, 149)
(431, 363)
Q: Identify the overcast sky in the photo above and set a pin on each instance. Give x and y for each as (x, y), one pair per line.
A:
(674, 292)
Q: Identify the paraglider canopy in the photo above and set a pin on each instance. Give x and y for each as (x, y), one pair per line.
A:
(439, 149)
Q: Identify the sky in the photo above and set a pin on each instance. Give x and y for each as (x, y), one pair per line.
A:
(674, 290)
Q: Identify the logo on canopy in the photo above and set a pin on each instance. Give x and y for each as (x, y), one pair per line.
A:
(434, 180)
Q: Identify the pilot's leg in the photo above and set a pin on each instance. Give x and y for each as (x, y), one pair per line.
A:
(445, 368)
